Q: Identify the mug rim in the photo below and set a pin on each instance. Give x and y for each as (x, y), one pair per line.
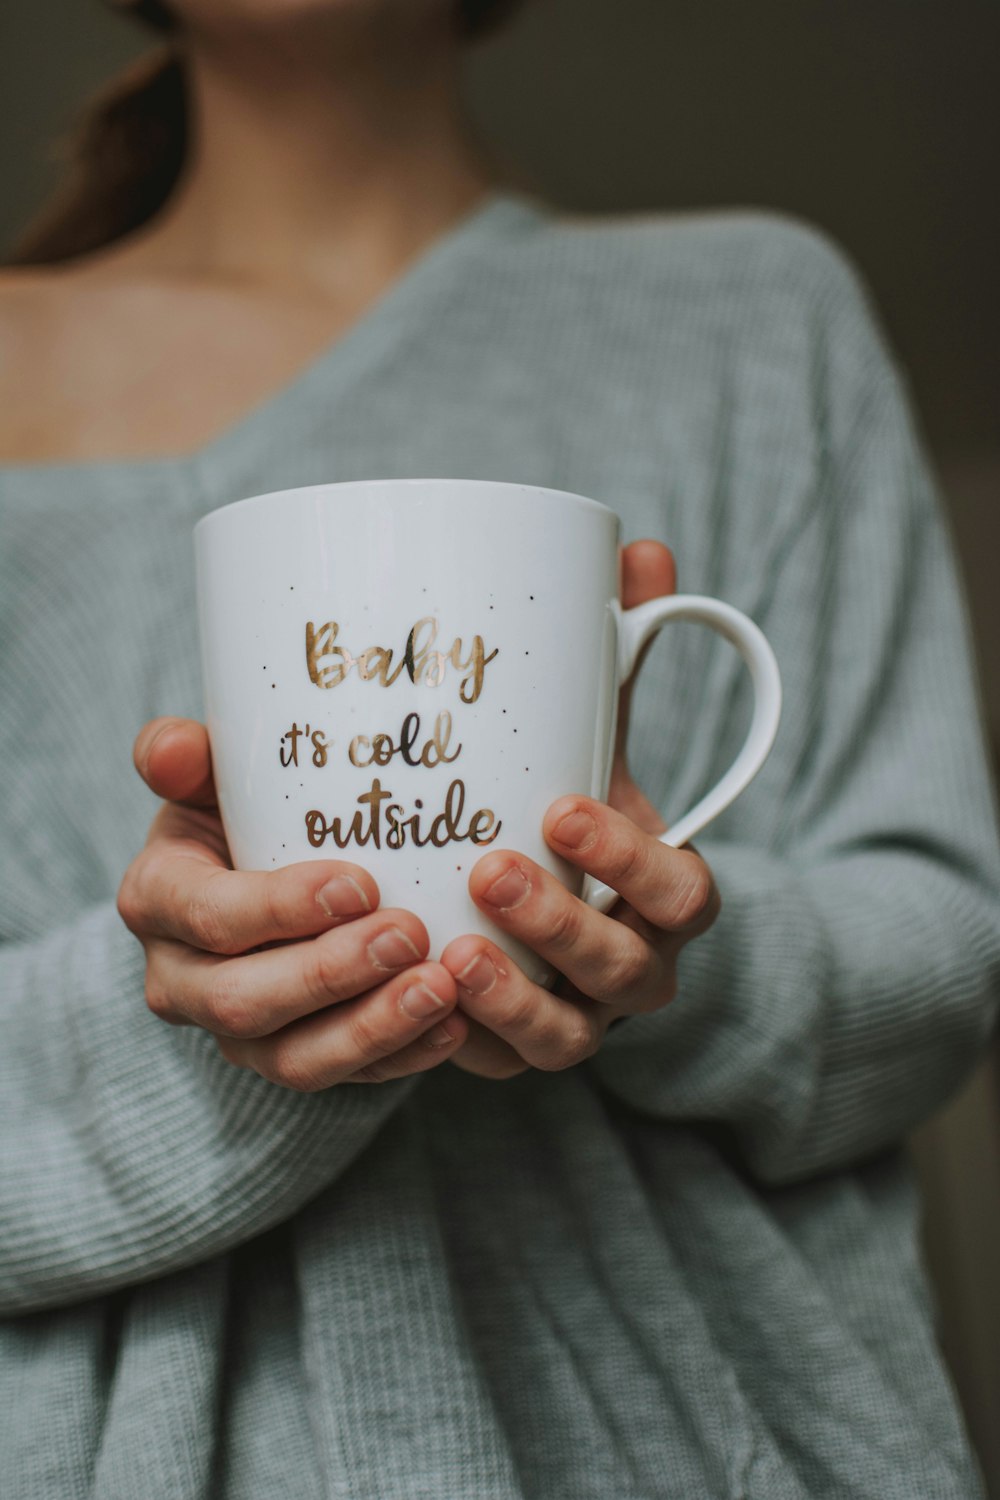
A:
(343, 484)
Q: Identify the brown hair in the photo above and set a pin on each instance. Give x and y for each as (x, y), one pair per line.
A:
(131, 144)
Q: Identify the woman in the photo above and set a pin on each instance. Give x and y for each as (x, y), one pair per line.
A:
(533, 1256)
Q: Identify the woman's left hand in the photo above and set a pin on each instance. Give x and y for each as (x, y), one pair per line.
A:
(620, 964)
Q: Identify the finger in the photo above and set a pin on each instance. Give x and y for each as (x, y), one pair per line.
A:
(546, 1030)
(648, 572)
(259, 993)
(672, 888)
(626, 798)
(195, 831)
(376, 1036)
(174, 759)
(603, 958)
(182, 893)
(484, 1054)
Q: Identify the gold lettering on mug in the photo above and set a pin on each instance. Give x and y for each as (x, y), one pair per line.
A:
(380, 748)
(288, 750)
(399, 826)
(478, 661)
(376, 819)
(328, 662)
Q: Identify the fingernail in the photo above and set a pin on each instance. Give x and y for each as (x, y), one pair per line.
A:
(438, 1036)
(419, 1002)
(392, 949)
(343, 897)
(478, 976)
(510, 890)
(576, 830)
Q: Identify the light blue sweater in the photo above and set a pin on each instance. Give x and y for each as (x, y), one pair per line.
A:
(687, 1268)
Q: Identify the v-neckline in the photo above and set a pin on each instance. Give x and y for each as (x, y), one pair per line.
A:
(498, 211)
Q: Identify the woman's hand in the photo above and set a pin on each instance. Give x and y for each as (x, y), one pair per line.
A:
(613, 965)
(296, 972)
(298, 975)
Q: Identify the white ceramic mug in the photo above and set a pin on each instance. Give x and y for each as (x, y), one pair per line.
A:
(403, 673)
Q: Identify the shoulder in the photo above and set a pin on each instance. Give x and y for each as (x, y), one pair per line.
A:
(757, 312)
(39, 308)
(32, 310)
(750, 250)
(744, 276)
(55, 324)
(36, 302)
(26, 305)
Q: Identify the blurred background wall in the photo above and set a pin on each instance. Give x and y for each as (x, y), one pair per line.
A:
(875, 119)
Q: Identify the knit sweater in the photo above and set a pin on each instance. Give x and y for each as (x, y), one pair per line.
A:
(685, 1268)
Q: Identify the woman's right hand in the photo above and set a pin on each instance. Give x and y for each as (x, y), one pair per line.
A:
(295, 972)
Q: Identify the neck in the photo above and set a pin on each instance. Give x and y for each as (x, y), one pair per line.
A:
(318, 164)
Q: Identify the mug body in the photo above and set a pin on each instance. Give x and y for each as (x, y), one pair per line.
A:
(405, 673)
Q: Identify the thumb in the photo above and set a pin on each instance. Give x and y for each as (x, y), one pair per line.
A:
(174, 759)
(648, 572)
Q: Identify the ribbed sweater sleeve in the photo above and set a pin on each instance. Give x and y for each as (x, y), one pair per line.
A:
(854, 971)
(130, 1148)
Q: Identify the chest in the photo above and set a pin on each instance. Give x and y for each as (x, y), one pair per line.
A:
(139, 373)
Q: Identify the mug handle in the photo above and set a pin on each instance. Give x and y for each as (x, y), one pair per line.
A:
(635, 628)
